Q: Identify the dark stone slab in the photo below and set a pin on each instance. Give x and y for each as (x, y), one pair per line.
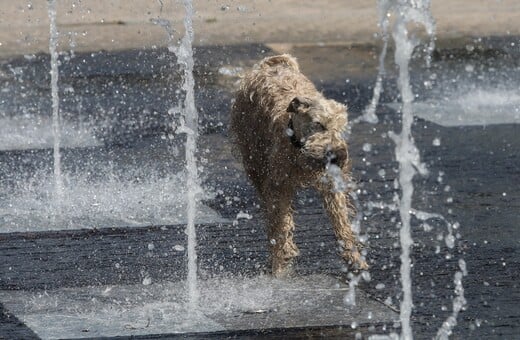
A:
(12, 328)
(227, 306)
(47, 260)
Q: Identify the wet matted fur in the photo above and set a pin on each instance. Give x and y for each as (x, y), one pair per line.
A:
(288, 133)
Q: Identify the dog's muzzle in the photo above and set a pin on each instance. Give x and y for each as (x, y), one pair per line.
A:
(298, 144)
(337, 157)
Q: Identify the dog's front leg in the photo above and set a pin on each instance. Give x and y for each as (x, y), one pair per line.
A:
(280, 227)
(338, 208)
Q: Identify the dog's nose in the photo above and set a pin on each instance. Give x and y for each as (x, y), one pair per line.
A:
(336, 157)
(331, 158)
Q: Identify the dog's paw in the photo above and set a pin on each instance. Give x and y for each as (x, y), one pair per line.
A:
(284, 269)
(355, 260)
(362, 265)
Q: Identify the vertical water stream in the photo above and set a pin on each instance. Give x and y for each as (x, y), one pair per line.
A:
(404, 13)
(189, 126)
(406, 152)
(185, 60)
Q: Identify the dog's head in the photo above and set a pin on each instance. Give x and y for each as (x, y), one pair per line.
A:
(315, 128)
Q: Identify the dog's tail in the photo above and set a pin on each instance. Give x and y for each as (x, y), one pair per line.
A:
(286, 60)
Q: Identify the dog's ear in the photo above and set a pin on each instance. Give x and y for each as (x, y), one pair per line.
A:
(339, 115)
(337, 108)
(299, 103)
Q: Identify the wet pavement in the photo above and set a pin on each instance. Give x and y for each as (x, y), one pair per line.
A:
(227, 305)
(123, 98)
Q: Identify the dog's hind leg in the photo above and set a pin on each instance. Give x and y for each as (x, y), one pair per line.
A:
(280, 229)
(338, 208)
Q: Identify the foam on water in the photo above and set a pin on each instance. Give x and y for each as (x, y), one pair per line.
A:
(478, 106)
(131, 200)
(35, 132)
(234, 303)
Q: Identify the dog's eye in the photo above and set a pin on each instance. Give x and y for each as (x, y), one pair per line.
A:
(318, 126)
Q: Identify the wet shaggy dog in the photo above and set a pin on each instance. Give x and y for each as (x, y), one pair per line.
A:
(288, 134)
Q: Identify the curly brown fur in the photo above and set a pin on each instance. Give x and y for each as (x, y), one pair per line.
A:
(287, 132)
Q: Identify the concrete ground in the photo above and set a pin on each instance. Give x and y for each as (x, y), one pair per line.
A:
(92, 25)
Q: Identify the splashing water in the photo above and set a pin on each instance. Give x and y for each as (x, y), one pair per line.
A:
(36, 132)
(53, 44)
(135, 197)
(336, 177)
(350, 297)
(468, 106)
(369, 114)
(159, 308)
(459, 302)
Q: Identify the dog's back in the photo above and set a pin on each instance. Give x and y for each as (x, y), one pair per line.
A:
(283, 60)
(260, 108)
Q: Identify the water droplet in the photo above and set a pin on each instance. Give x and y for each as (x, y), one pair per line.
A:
(427, 227)
(450, 241)
(178, 247)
